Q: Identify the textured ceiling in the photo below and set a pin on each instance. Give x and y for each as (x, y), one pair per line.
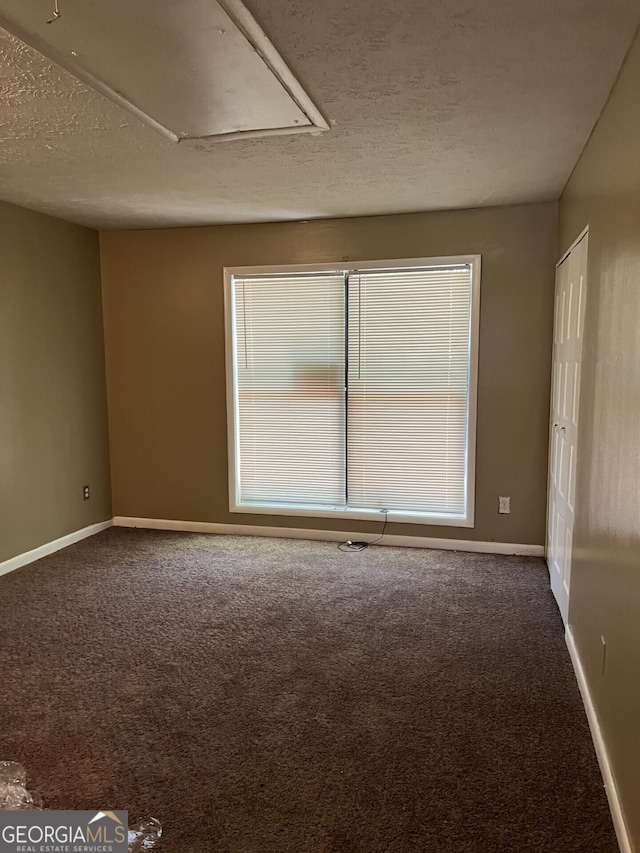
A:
(433, 104)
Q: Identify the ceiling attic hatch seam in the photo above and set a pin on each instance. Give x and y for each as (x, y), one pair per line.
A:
(235, 84)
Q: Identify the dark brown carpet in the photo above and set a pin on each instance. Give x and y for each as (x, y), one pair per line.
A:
(270, 695)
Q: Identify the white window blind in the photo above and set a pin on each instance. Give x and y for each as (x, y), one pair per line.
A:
(290, 372)
(352, 391)
(409, 333)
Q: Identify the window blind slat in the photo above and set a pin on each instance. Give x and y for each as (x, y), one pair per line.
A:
(290, 363)
(409, 335)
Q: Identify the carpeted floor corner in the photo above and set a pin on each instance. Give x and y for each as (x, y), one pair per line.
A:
(274, 696)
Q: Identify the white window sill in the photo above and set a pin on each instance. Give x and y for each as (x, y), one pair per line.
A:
(393, 516)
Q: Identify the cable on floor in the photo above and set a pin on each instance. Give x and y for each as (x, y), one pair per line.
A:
(360, 546)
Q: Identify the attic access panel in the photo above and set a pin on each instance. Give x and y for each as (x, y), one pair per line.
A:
(190, 68)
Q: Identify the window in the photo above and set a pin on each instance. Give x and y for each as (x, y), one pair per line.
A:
(352, 392)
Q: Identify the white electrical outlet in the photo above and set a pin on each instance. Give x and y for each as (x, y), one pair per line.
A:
(504, 505)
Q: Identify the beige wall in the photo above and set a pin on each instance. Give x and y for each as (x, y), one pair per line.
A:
(53, 426)
(604, 192)
(164, 327)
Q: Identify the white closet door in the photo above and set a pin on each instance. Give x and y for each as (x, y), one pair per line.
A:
(565, 396)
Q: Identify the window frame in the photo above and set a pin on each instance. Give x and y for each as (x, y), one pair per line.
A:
(468, 520)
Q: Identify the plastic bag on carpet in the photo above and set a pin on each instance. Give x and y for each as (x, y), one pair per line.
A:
(14, 796)
(143, 834)
(13, 788)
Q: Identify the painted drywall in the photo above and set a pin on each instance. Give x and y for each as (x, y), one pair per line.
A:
(604, 193)
(164, 331)
(53, 429)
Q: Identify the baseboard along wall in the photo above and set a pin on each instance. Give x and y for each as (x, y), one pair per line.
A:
(622, 833)
(256, 530)
(51, 547)
(330, 536)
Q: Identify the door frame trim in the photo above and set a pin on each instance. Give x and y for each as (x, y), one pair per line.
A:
(563, 257)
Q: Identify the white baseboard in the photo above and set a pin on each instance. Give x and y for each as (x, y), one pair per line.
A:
(330, 536)
(624, 839)
(50, 547)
